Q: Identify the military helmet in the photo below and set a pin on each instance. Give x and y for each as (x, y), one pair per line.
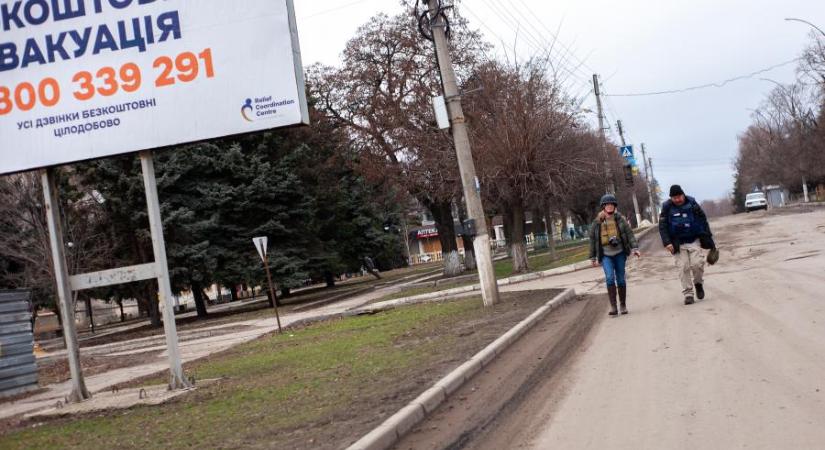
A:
(607, 199)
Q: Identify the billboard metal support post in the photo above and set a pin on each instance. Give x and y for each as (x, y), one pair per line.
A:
(176, 378)
(64, 290)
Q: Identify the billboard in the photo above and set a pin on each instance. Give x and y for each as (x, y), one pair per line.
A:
(84, 79)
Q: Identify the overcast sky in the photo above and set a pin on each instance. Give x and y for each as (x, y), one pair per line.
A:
(636, 46)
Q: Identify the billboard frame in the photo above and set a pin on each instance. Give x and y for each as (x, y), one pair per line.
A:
(67, 284)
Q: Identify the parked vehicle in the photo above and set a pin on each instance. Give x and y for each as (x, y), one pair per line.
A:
(756, 200)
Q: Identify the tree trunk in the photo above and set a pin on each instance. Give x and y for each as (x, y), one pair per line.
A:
(200, 302)
(551, 231)
(469, 253)
(538, 227)
(507, 224)
(59, 320)
(120, 304)
(518, 249)
(150, 290)
(469, 248)
(329, 278)
(564, 232)
(272, 301)
(143, 306)
(443, 216)
(90, 313)
(153, 305)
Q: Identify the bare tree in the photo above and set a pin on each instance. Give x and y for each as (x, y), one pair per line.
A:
(527, 142)
(24, 236)
(382, 94)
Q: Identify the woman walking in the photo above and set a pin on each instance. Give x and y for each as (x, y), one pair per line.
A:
(611, 242)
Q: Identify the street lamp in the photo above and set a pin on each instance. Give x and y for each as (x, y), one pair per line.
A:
(793, 19)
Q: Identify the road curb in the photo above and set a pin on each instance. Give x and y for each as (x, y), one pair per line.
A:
(392, 429)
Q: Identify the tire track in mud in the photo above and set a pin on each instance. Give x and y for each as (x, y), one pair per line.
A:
(508, 401)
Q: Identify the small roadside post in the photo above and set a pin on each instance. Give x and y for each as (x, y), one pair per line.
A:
(260, 245)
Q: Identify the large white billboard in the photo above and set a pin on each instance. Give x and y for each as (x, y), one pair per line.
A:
(83, 79)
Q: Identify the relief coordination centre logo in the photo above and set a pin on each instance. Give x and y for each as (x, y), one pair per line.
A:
(246, 110)
(259, 108)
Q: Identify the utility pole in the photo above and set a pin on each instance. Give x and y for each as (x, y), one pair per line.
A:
(632, 188)
(653, 177)
(469, 180)
(649, 183)
(610, 187)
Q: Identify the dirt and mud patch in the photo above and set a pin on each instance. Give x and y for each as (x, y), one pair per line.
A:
(57, 370)
(500, 406)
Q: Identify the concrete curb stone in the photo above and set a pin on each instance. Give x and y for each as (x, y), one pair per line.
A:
(387, 434)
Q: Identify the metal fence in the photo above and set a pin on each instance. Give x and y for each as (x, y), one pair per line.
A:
(18, 368)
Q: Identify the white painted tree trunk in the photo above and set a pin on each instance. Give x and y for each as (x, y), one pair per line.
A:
(805, 190)
(452, 264)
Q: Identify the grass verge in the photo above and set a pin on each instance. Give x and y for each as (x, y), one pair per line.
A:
(319, 387)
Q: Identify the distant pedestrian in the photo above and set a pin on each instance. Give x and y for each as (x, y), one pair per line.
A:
(611, 242)
(682, 223)
(572, 234)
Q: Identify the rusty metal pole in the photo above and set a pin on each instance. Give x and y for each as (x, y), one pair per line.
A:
(272, 290)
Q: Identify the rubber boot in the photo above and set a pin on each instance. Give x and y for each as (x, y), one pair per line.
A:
(700, 290)
(623, 299)
(611, 293)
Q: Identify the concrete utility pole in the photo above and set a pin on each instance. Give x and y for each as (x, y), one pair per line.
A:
(469, 180)
(64, 290)
(653, 177)
(632, 188)
(653, 216)
(610, 187)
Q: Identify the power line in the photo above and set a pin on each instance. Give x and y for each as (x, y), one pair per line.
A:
(550, 45)
(537, 44)
(709, 85)
(556, 38)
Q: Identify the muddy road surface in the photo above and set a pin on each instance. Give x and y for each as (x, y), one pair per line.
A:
(744, 368)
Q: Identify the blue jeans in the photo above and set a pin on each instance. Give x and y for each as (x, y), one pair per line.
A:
(614, 269)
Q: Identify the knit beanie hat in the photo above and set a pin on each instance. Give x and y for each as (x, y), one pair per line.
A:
(676, 190)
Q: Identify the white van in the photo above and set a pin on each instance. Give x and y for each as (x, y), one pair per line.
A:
(756, 200)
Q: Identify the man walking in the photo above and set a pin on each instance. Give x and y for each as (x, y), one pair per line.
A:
(685, 231)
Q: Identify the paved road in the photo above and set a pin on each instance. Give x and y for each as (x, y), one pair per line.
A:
(745, 368)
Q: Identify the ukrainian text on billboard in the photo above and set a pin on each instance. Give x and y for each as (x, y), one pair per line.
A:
(83, 79)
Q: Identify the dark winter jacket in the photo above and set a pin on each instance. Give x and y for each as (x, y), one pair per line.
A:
(703, 232)
(626, 235)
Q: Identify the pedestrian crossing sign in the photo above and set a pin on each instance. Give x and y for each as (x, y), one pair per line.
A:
(626, 151)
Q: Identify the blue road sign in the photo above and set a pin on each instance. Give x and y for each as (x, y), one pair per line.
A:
(626, 151)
